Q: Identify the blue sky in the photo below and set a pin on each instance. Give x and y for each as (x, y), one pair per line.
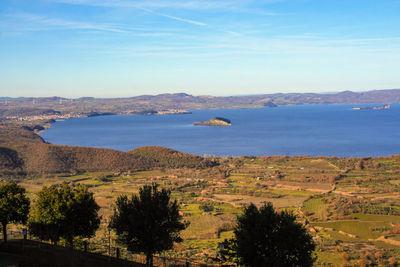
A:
(123, 48)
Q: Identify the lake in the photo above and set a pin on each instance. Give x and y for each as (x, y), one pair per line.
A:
(328, 130)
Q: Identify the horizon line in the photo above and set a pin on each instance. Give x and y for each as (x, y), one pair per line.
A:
(3, 98)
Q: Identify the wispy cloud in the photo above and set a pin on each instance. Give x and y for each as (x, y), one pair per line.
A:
(148, 6)
(155, 4)
(33, 22)
(60, 23)
(240, 6)
(207, 43)
(285, 45)
(361, 41)
(174, 18)
(152, 6)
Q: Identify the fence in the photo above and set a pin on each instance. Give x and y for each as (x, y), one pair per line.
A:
(119, 252)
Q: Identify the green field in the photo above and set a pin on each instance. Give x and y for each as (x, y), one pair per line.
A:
(316, 208)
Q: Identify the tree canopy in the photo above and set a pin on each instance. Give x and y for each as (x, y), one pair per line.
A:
(148, 222)
(14, 205)
(64, 211)
(264, 237)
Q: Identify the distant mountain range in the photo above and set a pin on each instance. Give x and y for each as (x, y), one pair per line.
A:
(152, 104)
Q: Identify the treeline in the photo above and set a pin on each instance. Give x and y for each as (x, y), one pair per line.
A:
(166, 157)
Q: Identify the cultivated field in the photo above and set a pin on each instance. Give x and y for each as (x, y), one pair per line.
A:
(350, 206)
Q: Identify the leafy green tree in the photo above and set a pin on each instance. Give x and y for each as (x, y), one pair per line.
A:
(14, 205)
(264, 237)
(63, 211)
(148, 222)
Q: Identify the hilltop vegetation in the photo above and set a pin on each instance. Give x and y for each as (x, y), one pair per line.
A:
(46, 159)
(11, 133)
(24, 153)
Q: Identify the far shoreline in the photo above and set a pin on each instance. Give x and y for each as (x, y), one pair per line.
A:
(46, 124)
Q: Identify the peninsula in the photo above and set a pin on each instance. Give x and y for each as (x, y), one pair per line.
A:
(216, 121)
(380, 107)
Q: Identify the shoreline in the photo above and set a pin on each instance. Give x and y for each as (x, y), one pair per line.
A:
(48, 124)
(53, 119)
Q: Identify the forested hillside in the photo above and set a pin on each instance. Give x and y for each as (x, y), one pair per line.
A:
(22, 152)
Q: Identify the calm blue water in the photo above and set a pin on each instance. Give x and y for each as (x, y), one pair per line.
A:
(295, 130)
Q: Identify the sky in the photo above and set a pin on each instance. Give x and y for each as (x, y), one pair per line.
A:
(123, 48)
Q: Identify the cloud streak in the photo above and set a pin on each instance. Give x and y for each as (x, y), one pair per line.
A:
(277, 46)
(34, 22)
(33, 19)
(174, 18)
(153, 4)
(146, 5)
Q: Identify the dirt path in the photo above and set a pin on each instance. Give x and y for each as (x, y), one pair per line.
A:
(387, 240)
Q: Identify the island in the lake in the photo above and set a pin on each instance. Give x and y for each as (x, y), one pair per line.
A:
(380, 107)
(216, 121)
